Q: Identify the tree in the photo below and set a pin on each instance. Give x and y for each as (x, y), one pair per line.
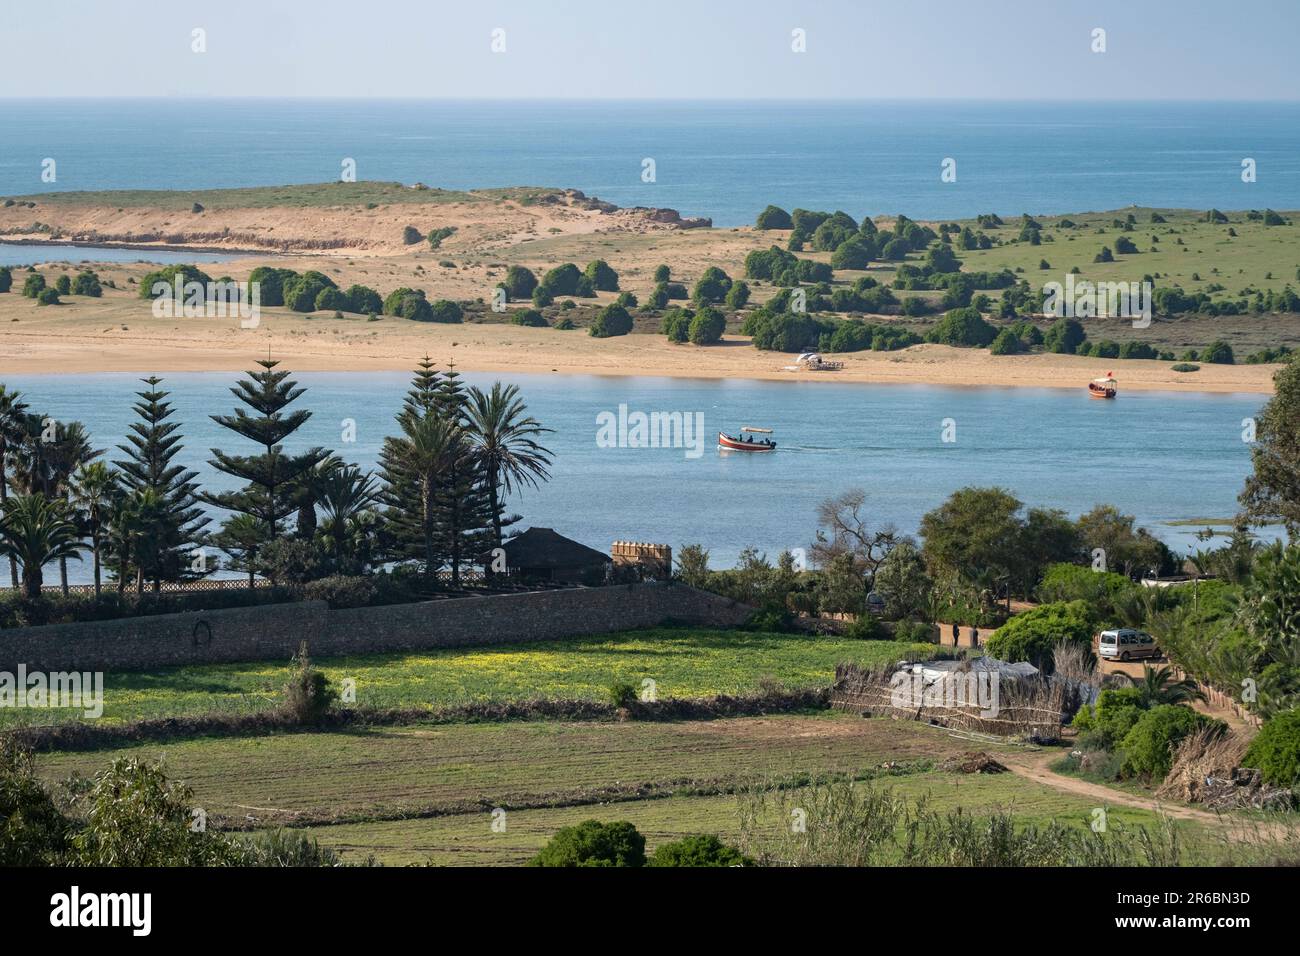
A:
(13, 416)
(1064, 336)
(844, 528)
(707, 326)
(963, 327)
(603, 278)
(271, 475)
(712, 286)
(774, 217)
(35, 531)
(698, 850)
(853, 254)
(971, 541)
(1033, 635)
(941, 258)
(424, 452)
(520, 283)
(692, 565)
(446, 312)
(94, 488)
(504, 437)
(6, 279)
(53, 451)
(902, 581)
(1110, 535)
(364, 300)
(241, 537)
(610, 321)
(345, 492)
(1159, 685)
(1218, 352)
(152, 445)
(592, 843)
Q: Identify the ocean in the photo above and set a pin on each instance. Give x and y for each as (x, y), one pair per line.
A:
(724, 160)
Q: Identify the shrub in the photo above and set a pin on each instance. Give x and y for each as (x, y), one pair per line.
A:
(658, 297)
(300, 294)
(1101, 590)
(1107, 722)
(707, 326)
(1064, 336)
(774, 217)
(331, 299)
(610, 321)
(1186, 367)
(445, 311)
(63, 285)
(168, 275)
(528, 317)
(341, 590)
(33, 285)
(416, 308)
(1275, 751)
(698, 850)
(308, 694)
(542, 297)
(270, 283)
(1218, 353)
(592, 843)
(737, 296)
(622, 694)
(866, 628)
(1007, 343)
(963, 327)
(437, 235)
(6, 279)
(712, 286)
(662, 273)
(32, 830)
(48, 297)
(603, 278)
(364, 300)
(676, 325)
(914, 632)
(1149, 747)
(411, 235)
(565, 324)
(520, 283)
(562, 280)
(1031, 636)
(852, 254)
(87, 283)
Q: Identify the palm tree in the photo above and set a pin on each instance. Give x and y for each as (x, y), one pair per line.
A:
(344, 493)
(13, 411)
(137, 526)
(93, 488)
(504, 437)
(1158, 686)
(35, 531)
(426, 450)
(241, 537)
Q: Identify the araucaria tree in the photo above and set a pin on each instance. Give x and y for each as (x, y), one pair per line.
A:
(272, 476)
(152, 445)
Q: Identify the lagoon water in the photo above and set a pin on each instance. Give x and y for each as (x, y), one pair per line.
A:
(1163, 457)
(726, 160)
(24, 254)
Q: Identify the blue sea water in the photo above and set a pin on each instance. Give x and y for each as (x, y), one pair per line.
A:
(24, 254)
(1160, 456)
(725, 160)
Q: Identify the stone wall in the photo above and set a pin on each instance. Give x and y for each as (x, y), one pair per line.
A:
(273, 632)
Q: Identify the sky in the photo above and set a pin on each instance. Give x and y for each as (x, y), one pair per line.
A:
(653, 49)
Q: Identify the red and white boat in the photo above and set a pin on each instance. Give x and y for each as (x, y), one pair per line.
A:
(747, 442)
(1103, 387)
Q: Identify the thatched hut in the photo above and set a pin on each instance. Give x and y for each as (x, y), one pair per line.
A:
(541, 555)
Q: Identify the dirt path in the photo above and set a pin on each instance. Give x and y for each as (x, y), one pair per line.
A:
(1033, 765)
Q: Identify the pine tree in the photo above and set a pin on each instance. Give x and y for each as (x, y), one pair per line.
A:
(272, 476)
(403, 532)
(464, 503)
(152, 445)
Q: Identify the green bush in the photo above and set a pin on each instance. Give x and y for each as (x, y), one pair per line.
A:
(270, 283)
(707, 326)
(445, 311)
(774, 217)
(592, 843)
(1104, 724)
(914, 632)
(33, 285)
(416, 308)
(6, 279)
(1149, 747)
(411, 235)
(562, 280)
(87, 284)
(168, 275)
(712, 286)
(963, 327)
(866, 628)
(308, 694)
(48, 297)
(698, 850)
(331, 299)
(364, 300)
(63, 285)
(1007, 343)
(528, 317)
(1186, 367)
(1218, 353)
(1275, 751)
(341, 590)
(610, 321)
(603, 278)
(520, 283)
(1031, 636)
(1102, 590)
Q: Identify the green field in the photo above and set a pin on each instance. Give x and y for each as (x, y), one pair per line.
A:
(265, 197)
(417, 794)
(683, 663)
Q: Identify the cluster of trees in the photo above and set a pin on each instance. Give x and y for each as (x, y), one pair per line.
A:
(852, 245)
(85, 282)
(439, 500)
(699, 327)
(521, 283)
(620, 844)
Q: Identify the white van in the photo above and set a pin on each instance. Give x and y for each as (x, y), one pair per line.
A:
(1127, 644)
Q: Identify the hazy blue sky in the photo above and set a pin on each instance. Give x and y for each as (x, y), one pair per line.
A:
(1012, 49)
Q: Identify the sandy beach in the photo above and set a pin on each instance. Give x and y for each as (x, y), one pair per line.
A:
(49, 341)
